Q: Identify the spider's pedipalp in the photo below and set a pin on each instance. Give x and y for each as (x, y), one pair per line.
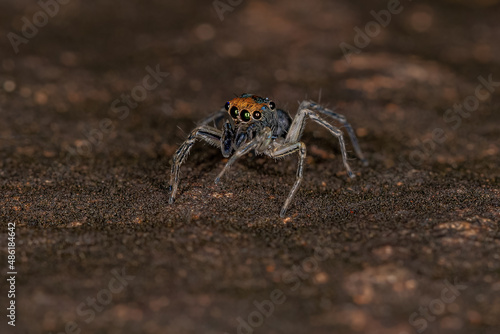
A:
(255, 144)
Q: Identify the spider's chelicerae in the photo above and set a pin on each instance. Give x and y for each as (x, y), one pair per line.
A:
(255, 124)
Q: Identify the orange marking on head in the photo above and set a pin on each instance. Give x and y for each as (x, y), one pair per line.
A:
(247, 108)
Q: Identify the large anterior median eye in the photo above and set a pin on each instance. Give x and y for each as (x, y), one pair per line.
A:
(234, 112)
(245, 115)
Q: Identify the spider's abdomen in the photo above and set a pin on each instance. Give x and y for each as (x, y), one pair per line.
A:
(283, 123)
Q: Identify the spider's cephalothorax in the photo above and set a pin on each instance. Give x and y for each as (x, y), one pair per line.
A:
(255, 124)
(250, 115)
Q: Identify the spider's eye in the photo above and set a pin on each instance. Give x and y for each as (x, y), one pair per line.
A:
(227, 106)
(234, 112)
(245, 115)
(272, 105)
(257, 114)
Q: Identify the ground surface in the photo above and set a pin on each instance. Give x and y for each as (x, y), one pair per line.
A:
(85, 184)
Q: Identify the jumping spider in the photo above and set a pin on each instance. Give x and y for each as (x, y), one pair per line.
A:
(255, 124)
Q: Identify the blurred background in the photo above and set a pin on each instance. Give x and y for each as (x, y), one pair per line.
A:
(85, 151)
(80, 60)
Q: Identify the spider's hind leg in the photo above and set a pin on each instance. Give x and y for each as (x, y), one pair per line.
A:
(340, 118)
(216, 118)
(284, 150)
(311, 109)
(204, 132)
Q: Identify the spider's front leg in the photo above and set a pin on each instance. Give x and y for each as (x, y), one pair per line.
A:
(209, 134)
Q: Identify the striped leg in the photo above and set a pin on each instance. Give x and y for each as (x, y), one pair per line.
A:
(299, 122)
(287, 149)
(204, 132)
(341, 118)
(214, 118)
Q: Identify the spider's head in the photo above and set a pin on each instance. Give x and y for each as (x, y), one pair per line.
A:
(249, 108)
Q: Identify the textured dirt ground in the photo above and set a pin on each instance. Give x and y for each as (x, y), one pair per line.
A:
(85, 184)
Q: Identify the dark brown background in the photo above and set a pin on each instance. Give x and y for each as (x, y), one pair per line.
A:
(396, 232)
